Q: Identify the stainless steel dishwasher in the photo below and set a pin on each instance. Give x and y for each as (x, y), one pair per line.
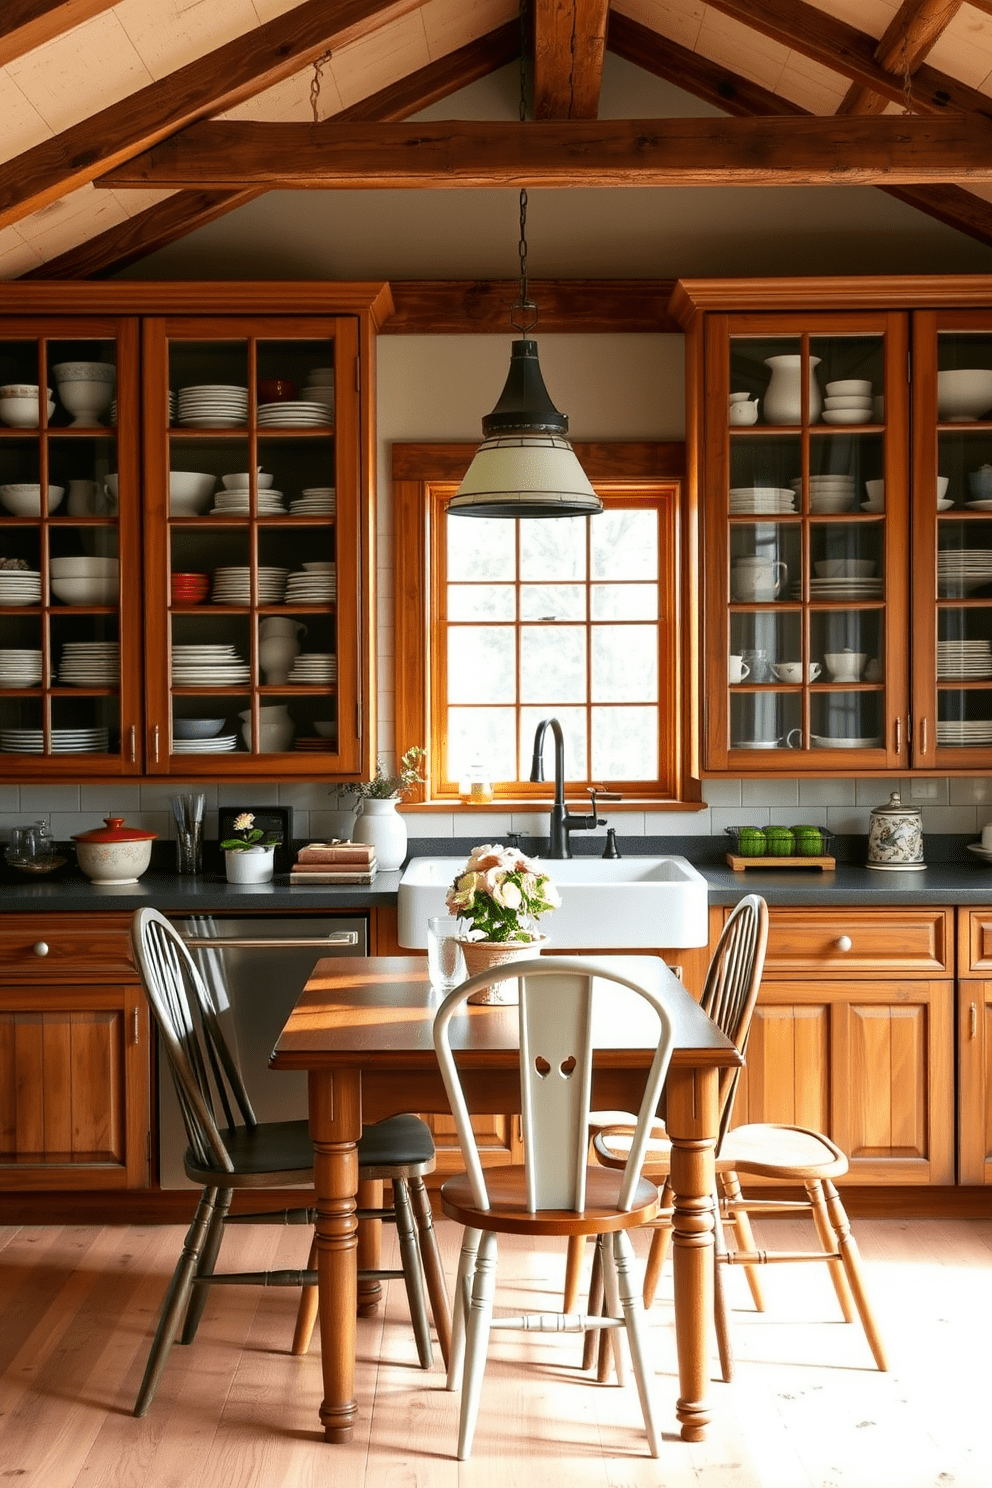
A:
(257, 968)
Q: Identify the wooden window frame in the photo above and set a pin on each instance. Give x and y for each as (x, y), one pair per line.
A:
(423, 475)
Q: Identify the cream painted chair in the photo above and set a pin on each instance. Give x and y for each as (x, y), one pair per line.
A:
(555, 1192)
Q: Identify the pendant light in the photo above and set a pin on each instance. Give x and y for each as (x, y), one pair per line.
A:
(526, 467)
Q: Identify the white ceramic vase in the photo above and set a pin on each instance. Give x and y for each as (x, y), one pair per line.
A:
(253, 865)
(380, 825)
(783, 402)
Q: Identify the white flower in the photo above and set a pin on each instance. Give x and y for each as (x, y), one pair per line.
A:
(244, 822)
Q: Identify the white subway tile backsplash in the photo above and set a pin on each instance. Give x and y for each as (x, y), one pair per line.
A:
(732, 816)
(950, 819)
(668, 824)
(769, 793)
(827, 792)
(847, 818)
(46, 798)
(435, 824)
(10, 800)
(722, 792)
(246, 793)
(120, 799)
(877, 792)
(964, 792)
(487, 826)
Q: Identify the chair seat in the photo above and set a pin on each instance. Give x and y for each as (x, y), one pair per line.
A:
(769, 1151)
(509, 1214)
(612, 1148)
(284, 1148)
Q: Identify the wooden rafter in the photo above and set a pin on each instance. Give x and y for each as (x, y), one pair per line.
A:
(212, 84)
(910, 36)
(183, 213)
(725, 90)
(845, 50)
(26, 24)
(800, 150)
(569, 42)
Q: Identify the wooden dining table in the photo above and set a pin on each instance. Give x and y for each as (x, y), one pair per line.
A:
(362, 1029)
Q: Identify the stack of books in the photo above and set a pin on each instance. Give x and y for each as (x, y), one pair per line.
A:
(334, 862)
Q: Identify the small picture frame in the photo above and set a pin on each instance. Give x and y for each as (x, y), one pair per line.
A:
(274, 821)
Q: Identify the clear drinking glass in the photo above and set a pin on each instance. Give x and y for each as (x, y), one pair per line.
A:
(188, 812)
(445, 962)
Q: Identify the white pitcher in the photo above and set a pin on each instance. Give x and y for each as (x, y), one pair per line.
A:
(757, 578)
(278, 647)
(784, 398)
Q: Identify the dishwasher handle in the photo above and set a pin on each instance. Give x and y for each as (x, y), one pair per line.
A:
(249, 943)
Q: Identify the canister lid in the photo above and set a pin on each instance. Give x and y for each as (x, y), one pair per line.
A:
(114, 831)
(895, 807)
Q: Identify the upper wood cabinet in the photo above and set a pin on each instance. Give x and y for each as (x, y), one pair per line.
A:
(839, 435)
(207, 517)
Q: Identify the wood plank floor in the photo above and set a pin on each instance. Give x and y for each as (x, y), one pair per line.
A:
(807, 1409)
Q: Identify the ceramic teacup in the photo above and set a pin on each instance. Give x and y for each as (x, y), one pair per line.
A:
(845, 666)
(792, 671)
(736, 670)
(743, 413)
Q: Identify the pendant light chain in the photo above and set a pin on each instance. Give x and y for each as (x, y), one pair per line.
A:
(319, 63)
(526, 319)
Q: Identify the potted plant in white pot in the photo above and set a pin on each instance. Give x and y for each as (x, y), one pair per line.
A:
(249, 857)
(501, 893)
(379, 823)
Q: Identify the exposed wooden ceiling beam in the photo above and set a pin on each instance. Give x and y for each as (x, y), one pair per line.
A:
(569, 42)
(158, 226)
(850, 52)
(454, 307)
(26, 24)
(739, 96)
(797, 151)
(218, 81)
(910, 36)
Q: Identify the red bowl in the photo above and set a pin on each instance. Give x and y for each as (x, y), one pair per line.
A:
(275, 390)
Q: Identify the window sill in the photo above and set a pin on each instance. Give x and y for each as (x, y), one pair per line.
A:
(578, 805)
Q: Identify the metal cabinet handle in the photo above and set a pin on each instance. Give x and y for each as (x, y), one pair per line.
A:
(40, 948)
(155, 734)
(923, 736)
(973, 1020)
(240, 942)
(133, 733)
(843, 943)
(898, 736)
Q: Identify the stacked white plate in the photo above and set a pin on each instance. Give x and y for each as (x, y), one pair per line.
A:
(960, 660)
(213, 406)
(828, 493)
(221, 744)
(314, 667)
(319, 392)
(962, 569)
(315, 501)
(64, 741)
(172, 409)
(228, 502)
(90, 663)
(233, 585)
(294, 414)
(963, 734)
(314, 582)
(19, 586)
(761, 499)
(208, 666)
(19, 667)
(842, 588)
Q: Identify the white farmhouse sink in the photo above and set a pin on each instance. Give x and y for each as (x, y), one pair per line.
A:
(606, 903)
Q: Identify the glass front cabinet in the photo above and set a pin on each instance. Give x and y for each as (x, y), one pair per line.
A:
(186, 536)
(804, 512)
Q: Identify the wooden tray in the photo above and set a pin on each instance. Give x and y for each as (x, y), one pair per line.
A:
(739, 864)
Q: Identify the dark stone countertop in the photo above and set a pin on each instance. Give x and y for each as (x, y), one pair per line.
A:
(953, 876)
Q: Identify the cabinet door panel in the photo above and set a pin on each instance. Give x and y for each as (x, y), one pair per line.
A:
(870, 1064)
(975, 1082)
(74, 1083)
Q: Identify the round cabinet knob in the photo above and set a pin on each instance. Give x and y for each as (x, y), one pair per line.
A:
(40, 948)
(843, 942)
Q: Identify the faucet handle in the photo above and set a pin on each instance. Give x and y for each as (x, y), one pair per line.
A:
(604, 795)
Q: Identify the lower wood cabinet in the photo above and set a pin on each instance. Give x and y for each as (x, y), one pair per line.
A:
(865, 1057)
(74, 1057)
(975, 1046)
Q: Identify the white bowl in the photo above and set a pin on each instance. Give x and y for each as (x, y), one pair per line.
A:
(22, 413)
(964, 395)
(82, 568)
(876, 490)
(845, 568)
(189, 491)
(942, 481)
(846, 415)
(826, 505)
(325, 728)
(196, 728)
(857, 385)
(848, 400)
(25, 500)
(89, 590)
(86, 399)
(84, 372)
(242, 482)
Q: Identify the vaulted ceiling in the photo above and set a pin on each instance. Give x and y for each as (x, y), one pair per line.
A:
(128, 126)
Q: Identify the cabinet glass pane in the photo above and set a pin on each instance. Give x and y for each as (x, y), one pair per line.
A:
(764, 640)
(964, 560)
(846, 720)
(757, 361)
(764, 558)
(208, 384)
(763, 469)
(765, 720)
(964, 376)
(850, 373)
(963, 478)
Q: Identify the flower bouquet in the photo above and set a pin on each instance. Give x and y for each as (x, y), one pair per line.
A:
(501, 893)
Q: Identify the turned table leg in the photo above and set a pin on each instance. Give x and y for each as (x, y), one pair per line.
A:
(335, 1125)
(692, 1117)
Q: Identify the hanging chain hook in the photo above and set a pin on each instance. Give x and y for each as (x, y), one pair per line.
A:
(319, 63)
